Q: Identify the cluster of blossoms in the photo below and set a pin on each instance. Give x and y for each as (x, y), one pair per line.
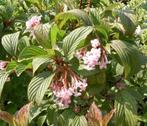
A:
(96, 56)
(33, 22)
(63, 94)
(3, 65)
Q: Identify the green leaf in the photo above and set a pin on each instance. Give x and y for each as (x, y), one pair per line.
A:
(66, 119)
(72, 40)
(3, 78)
(37, 62)
(19, 67)
(42, 35)
(31, 52)
(126, 109)
(38, 86)
(10, 43)
(128, 21)
(129, 56)
(76, 13)
(79, 121)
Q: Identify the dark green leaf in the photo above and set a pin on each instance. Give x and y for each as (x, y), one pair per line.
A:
(129, 56)
(126, 109)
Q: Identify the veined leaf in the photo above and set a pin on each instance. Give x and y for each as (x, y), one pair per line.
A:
(10, 43)
(129, 56)
(31, 52)
(42, 35)
(37, 62)
(38, 86)
(79, 121)
(3, 78)
(72, 40)
(126, 109)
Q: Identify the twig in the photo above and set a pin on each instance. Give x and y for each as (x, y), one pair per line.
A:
(88, 6)
(81, 1)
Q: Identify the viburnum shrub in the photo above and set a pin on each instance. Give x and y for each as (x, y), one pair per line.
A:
(73, 63)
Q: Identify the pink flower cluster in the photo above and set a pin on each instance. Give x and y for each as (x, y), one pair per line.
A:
(63, 95)
(96, 56)
(33, 22)
(3, 65)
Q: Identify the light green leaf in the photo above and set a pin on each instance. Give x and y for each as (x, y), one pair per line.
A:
(31, 52)
(3, 78)
(22, 66)
(37, 62)
(38, 86)
(72, 40)
(11, 66)
(81, 15)
(76, 13)
(79, 121)
(53, 34)
(10, 43)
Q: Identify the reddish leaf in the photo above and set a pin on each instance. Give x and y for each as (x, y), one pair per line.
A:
(5, 116)
(94, 116)
(22, 115)
(107, 117)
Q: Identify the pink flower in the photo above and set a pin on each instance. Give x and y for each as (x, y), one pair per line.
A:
(3, 65)
(63, 97)
(95, 43)
(33, 22)
(91, 58)
(78, 86)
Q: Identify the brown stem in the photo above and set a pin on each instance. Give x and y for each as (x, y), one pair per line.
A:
(88, 6)
(81, 1)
